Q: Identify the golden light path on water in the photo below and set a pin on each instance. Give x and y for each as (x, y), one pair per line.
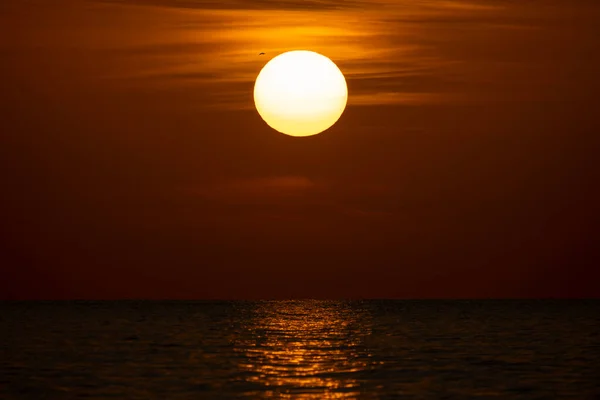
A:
(304, 350)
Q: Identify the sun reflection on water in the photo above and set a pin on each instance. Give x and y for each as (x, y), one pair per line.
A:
(304, 349)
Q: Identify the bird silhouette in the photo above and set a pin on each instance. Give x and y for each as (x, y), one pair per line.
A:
(261, 54)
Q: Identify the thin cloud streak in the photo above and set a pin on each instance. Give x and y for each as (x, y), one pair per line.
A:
(391, 53)
(290, 197)
(212, 48)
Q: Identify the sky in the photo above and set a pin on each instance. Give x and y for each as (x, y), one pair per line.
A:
(133, 163)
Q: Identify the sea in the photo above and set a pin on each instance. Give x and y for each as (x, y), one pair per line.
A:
(301, 349)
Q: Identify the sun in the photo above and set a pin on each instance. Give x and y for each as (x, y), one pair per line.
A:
(300, 93)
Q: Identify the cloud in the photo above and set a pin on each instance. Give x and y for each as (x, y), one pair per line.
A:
(392, 53)
(212, 47)
(290, 5)
(292, 197)
(260, 190)
(400, 98)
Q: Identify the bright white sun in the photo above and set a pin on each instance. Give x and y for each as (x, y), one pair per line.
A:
(300, 93)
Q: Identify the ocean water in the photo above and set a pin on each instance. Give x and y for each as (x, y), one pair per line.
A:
(306, 349)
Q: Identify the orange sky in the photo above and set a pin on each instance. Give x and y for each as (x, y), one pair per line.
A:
(133, 163)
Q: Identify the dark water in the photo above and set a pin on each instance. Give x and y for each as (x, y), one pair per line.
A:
(300, 349)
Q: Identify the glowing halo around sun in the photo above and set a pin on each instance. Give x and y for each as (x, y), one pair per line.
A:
(300, 93)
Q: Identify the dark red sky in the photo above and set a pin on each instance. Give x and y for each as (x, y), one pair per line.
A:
(133, 162)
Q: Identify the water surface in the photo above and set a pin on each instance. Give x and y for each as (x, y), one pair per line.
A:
(300, 349)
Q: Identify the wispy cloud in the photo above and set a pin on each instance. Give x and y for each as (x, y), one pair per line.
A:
(213, 47)
(390, 52)
(258, 190)
(291, 197)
